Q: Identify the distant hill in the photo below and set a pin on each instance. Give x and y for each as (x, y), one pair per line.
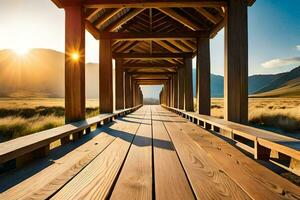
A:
(269, 85)
(40, 73)
(151, 101)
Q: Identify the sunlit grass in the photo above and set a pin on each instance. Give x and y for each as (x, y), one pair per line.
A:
(22, 117)
(281, 113)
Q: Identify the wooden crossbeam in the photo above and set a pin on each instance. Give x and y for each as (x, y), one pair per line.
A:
(101, 21)
(152, 3)
(151, 56)
(173, 14)
(209, 16)
(91, 15)
(149, 65)
(124, 19)
(166, 46)
(154, 35)
(92, 29)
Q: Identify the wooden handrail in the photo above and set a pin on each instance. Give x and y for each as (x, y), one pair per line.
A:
(266, 145)
(15, 148)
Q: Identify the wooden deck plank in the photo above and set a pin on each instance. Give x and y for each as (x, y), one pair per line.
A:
(170, 179)
(207, 179)
(135, 180)
(96, 179)
(44, 183)
(258, 181)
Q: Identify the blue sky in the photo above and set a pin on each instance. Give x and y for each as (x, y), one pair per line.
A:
(274, 33)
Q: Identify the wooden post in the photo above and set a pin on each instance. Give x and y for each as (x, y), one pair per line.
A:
(74, 64)
(175, 91)
(171, 91)
(128, 91)
(119, 85)
(181, 88)
(188, 84)
(203, 76)
(236, 62)
(106, 79)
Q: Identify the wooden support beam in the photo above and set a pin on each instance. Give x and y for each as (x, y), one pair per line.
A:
(149, 65)
(102, 21)
(120, 102)
(203, 76)
(175, 89)
(166, 46)
(106, 80)
(209, 16)
(187, 35)
(92, 29)
(124, 19)
(236, 62)
(74, 64)
(151, 56)
(188, 85)
(128, 91)
(173, 14)
(180, 75)
(151, 3)
(92, 14)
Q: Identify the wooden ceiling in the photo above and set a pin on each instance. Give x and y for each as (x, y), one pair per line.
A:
(152, 36)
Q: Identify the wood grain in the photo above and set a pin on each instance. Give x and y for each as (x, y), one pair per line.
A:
(207, 178)
(170, 180)
(135, 180)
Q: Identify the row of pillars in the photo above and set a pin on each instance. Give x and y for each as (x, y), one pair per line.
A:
(178, 91)
(127, 92)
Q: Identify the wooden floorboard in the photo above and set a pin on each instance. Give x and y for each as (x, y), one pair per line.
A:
(170, 179)
(96, 179)
(135, 180)
(207, 179)
(258, 181)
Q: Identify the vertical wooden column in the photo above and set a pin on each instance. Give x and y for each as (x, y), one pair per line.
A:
(74, 64)
(175, 90)
(171, 91)
(180, 75)
(188, 85)
(236, 62)
(119, 85)
(168, 93)
(106, 77)
(203, 76)
(128, 93)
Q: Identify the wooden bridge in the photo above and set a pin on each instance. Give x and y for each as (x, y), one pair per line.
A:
(167, 151)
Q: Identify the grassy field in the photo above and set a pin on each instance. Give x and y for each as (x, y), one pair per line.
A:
(19, 117)
(278, 113)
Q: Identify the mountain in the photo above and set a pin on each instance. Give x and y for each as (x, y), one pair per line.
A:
(39, 73)
(269, 85)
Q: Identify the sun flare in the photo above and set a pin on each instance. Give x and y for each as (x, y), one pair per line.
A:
(21, 51)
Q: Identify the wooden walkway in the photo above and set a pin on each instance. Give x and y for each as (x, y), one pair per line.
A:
(149, 154)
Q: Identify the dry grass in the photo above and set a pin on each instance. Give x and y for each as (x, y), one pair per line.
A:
(19, 117)
(282, 113)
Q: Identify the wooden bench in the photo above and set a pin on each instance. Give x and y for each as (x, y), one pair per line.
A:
(19, 151)
(265, 145)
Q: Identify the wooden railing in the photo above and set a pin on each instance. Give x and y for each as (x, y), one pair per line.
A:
(264, 145)
(17, 152)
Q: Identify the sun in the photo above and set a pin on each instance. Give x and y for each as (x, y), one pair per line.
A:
(21, 50)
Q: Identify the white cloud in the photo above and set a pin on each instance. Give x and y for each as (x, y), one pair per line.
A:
(281, 62)
(298, 47)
